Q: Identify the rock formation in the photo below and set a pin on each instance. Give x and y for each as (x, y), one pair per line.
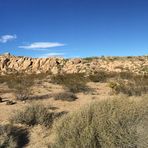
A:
(10, 64)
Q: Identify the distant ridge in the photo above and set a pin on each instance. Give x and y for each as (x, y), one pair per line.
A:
(13, 64)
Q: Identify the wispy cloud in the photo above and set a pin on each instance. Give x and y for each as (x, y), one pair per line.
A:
(52, 54)
(6, 38)
(42, 45)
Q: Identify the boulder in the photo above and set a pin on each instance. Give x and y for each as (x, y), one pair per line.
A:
(77, 61)
(26, 64)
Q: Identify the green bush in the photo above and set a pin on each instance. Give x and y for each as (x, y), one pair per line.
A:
(103, 124)
(33, 115)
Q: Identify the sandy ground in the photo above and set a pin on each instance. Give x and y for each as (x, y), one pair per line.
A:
(101, 91)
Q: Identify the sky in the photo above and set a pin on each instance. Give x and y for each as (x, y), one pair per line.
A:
(74, 28)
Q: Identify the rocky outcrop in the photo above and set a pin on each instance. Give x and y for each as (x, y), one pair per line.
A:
(10, 64)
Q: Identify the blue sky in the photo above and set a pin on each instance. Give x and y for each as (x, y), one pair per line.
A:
(74, 28)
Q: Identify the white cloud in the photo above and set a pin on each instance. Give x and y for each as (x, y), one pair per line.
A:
(38, 49)
(42, 45)
(6, 38)
(53, 54)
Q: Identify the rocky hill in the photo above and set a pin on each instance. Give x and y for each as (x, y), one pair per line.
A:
(10, 64)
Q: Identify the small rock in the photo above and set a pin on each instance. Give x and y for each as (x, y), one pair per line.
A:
(10, 102)
(24, 102)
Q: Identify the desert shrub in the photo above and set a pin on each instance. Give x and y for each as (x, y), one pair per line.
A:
(13, 137)
(78, 87)
(103, 124)
(136, 86)
(33, 115)
(125, 75)
(65, 79)
(121, 87)
(100, 76)
(75, 82)
(65, 96)
(104, 76)
(21, 83)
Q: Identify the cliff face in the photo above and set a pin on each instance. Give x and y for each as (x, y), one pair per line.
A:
(10, 64)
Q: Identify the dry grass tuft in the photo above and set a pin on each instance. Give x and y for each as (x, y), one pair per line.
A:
(33, 115)
(65, 96)
(13, 137)
(109, 123)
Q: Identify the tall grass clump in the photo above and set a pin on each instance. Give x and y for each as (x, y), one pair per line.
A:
(13, 137)
(103, 124)
(6, 138)
(33, 115)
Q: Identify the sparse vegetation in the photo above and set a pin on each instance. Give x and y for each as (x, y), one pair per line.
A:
(125, 75)
(21, 83)
(33, 115)
(78, 87)
(90, 59)
(109, 123)
(73, 82)
(65, 96)
(65, 79)
(137, 86)
(100, 76)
